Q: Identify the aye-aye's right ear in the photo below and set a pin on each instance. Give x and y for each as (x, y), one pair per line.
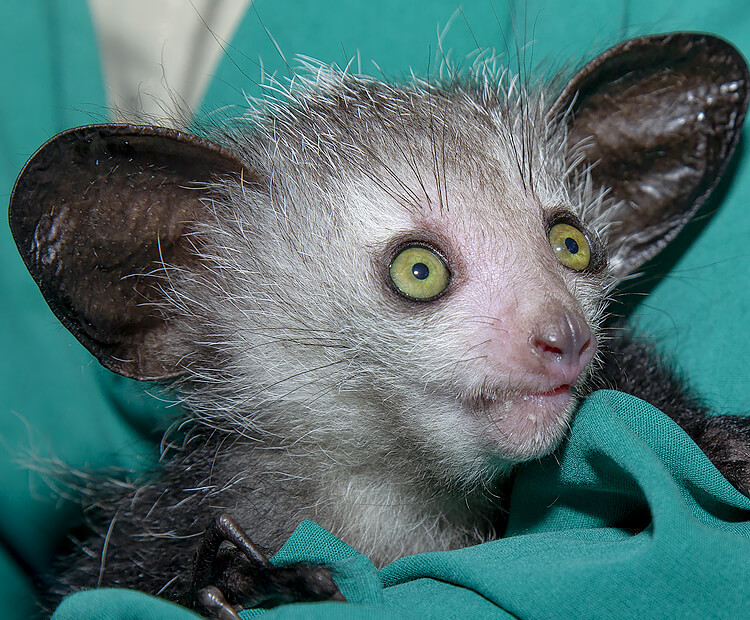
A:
(95, 213)
(656, 119)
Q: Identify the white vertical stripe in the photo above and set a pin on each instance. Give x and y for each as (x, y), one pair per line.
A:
(158, 55)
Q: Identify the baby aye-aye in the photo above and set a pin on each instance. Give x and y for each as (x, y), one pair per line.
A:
(373, 300)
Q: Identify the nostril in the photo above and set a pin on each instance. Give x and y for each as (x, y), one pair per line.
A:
(568, 340)
(561, 347)
(546, 347)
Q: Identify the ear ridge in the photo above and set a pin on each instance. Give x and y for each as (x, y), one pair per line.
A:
(656, 120)
(95, 211)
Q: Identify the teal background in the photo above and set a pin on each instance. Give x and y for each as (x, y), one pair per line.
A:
(57, 405)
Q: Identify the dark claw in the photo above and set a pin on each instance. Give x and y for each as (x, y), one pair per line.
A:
(224, 528)
(242, 575)
(212, 601)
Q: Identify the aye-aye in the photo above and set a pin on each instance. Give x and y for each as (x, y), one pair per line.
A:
(374, 300)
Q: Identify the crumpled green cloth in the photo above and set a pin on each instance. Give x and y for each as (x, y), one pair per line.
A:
(627, 520)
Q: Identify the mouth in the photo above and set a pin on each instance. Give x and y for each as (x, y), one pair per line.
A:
(559, 390)
(528, 425)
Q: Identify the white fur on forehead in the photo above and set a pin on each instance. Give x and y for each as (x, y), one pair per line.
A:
(485, 129)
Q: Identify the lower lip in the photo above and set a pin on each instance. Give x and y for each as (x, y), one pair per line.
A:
(559, 391)
(531, 425)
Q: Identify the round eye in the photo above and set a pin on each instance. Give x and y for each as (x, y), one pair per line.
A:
(570, 246)
(419, 273)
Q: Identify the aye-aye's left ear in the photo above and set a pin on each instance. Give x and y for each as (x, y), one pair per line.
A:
(657, 120)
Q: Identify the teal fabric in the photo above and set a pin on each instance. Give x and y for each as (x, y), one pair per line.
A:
(58, 404)
(633, 521)
(54, 402)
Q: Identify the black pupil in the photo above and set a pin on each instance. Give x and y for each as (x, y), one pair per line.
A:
(420, 271)
(571, 245)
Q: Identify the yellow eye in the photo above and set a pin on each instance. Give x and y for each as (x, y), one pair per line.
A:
(570, 246)
(419, 273)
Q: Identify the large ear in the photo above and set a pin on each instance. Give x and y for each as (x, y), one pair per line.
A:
(657, 120)
(97, 209)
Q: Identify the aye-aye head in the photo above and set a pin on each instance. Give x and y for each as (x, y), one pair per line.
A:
(368, 268)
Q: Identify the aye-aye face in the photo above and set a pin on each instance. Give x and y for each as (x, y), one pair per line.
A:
(376, 269)
(471, 318)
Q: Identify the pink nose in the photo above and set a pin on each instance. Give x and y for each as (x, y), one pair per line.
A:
(564, 347)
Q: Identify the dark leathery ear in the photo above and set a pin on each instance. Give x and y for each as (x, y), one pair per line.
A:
(657, 120)
(93, 213)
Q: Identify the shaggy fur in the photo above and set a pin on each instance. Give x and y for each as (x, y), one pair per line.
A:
(317, 391)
